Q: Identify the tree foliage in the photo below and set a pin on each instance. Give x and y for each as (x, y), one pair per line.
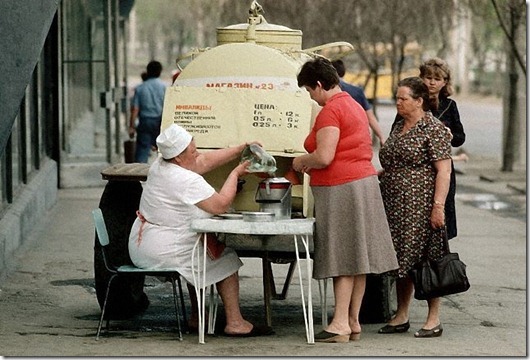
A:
(511, 15)
(380, 30)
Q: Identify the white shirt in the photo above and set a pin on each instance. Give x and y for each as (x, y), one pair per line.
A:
(168, 206)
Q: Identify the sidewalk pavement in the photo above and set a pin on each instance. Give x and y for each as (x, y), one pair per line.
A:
(49, 308)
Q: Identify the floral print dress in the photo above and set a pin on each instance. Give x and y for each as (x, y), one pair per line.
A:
(407, 187)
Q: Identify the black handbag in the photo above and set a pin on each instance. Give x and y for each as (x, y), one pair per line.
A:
(446, 276)
(129, 150)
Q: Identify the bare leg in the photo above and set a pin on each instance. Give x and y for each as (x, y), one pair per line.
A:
(342, 288)
(433, 317)
(359, 285)
(404, 290)
(229, 291)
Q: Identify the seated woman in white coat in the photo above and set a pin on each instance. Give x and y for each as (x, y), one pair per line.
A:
(174, 194)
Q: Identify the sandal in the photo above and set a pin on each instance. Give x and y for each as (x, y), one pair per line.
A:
(394, 329)
(325, 336)
(434, 332)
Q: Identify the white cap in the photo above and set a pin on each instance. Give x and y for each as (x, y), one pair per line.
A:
(173, 141)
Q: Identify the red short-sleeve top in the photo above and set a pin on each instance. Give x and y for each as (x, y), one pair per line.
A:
(353, 155)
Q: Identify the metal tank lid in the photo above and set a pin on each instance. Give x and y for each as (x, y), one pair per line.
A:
(264, 26)
(258, 31)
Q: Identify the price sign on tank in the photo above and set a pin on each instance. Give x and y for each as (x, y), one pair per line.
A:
(225, 117)
(269, 116)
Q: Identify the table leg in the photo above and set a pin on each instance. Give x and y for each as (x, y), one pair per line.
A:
(308, 315)
(287, 282)
(305, 240)
(267, 278)
(199, 279)
(212, 310)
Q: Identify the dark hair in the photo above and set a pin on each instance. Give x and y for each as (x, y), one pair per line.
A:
(319, 69)
(339, 66)
(154, 68)
(418, 90)
(439, 68)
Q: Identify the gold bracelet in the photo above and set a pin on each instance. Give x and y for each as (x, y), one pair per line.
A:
(438, 203)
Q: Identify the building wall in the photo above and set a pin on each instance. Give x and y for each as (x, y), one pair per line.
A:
(17, 222)
(92, 66)
(58, 60)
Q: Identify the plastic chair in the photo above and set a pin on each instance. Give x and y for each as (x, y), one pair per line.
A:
(127, 270)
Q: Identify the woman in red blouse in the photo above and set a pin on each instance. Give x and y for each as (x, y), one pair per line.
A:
(352, 237)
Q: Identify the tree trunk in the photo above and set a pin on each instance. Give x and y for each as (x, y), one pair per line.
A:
(511, 138)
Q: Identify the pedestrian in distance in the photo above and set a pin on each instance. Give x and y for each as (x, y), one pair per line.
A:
(352, 237)
(416, 161)
(358, 95)
(147, 105)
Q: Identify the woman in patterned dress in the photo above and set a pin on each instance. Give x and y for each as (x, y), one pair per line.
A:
(416, 161)
(436, 74)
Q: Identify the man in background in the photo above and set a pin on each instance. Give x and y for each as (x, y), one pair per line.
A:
(357, 94)
(147, 105)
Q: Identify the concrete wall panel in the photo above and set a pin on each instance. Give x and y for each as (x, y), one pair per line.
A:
(37, 198)
(24, 25)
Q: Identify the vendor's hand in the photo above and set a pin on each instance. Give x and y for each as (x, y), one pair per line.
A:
(242, 169)
(252, 142)
(437, 217)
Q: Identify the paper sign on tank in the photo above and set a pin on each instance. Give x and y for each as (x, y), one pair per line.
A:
(221, 117)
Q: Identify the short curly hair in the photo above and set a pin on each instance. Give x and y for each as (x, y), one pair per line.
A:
(418, 89)
(318, 70)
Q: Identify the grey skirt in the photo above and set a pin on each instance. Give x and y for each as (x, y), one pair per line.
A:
(352, 235)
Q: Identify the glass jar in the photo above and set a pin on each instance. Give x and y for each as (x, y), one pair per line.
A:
(260, 160)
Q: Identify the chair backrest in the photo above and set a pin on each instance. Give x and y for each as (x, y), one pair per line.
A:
(101, 228)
